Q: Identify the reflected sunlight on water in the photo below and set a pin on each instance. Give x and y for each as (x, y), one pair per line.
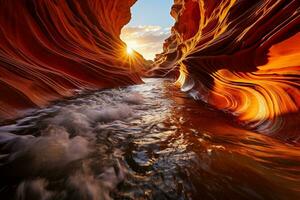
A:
(149, 141)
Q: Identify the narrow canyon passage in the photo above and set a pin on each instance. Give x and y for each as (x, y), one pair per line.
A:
(149, 99)
(148, 141)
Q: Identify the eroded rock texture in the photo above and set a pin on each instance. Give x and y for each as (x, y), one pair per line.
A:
(48, 48)
(241, 56)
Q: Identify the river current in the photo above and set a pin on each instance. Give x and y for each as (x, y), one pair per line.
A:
(148, 141)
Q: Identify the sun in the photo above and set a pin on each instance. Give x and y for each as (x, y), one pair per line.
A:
(130, 47)
(129, 50)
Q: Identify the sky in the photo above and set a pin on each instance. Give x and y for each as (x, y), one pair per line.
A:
(149, 26)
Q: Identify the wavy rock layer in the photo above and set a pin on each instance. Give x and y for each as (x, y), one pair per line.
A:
(240, 56)
(48, 48)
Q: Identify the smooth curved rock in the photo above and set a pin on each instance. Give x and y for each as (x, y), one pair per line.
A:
(50, 48)
(243, 56)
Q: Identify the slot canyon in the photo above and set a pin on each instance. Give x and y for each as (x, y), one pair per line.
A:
(85, 114)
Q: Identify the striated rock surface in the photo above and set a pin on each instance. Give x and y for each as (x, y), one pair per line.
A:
(50, 48)
(241, 56)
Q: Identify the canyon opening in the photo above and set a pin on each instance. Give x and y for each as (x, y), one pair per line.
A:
(149, 26)
(149, 99)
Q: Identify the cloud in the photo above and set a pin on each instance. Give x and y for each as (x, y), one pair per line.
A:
(147, 40)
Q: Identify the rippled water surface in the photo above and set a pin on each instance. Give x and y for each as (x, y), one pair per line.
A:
(142, 142)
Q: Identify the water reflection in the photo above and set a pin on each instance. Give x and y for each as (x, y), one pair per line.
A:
(142, 142)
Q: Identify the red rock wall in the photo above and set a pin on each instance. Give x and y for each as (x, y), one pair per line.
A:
(241, 56)
(48, 48)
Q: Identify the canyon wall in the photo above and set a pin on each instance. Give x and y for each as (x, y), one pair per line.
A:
(51, 48)
(240, 56)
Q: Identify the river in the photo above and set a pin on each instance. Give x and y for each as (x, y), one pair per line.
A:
(148, 141)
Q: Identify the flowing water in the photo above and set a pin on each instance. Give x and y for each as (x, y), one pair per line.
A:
(149, 141)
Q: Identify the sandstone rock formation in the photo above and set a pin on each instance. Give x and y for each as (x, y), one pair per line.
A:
(49, 48)
(241, 56)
